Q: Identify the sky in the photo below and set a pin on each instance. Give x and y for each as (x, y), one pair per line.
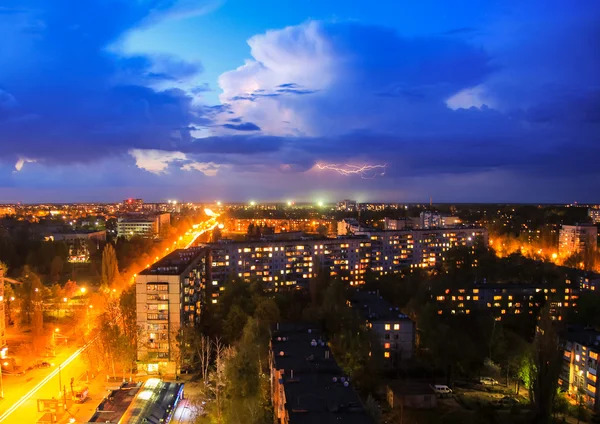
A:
(306, 100)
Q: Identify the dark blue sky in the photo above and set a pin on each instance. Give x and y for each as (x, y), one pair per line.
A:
(237, 100)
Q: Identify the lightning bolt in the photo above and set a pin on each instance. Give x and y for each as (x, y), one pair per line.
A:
(367, 172)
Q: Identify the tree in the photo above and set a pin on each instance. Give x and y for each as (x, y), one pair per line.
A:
(234, 323)
(547, 359)
(56, 269)
(110, 268)
(561, 403)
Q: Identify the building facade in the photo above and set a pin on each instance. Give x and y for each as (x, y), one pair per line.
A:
(147, 226)
(169, 297)
(395, 330)
(292, 263)
(579, 373)
(580, 238)
(504, 300)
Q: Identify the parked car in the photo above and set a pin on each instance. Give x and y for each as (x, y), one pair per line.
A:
(441, 389)
(487, 381)
(44, 364)
(507, 401)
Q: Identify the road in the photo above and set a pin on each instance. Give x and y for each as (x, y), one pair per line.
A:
(21, 392)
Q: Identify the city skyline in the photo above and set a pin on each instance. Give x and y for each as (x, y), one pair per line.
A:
(199, 100)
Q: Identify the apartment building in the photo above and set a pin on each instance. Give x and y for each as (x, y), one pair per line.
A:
(169, 296)
(292, 263)
(579, 238)
(288, 263)
(307, 385)
(507, 299)
(579, 373)
(395, 330)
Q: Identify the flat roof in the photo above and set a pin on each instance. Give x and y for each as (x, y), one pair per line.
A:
(584, 336)
(175, 262)
(112, 408)
(374, 308)
(153, 403)
(318, 392)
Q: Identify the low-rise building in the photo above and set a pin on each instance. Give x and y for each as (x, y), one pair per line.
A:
(148, 226)
(395, 330)
(307, 385)
(169, 296)
(579, 373)
(411, 395)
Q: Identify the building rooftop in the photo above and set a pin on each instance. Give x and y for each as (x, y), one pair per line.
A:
(175, 262)
(374, 308)
(316, 389)
(584, 336)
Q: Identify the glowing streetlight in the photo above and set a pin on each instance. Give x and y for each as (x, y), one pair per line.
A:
(65, 299)
(252, 203)
(289, 203)
(83, 290)
(320, 203)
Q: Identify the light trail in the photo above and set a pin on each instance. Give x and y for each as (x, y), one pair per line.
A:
(366, 172)
(199, 233)
(38, 386)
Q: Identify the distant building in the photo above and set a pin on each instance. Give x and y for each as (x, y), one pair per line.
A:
(307, 385)
(594, 214)
(579, 373)
(396, 331)
(429, 219)
(350, 226)
(133, 204)
(148, 226)
(579, 238)
(391, 224)
(347, 206)
(78, 243)
(507, 299)
(169, 296)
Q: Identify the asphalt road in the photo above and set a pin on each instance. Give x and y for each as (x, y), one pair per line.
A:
(21, 392)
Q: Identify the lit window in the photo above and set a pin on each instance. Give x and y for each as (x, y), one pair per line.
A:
(387, 326)
(396, 326)
(386, 345)
(386, 354)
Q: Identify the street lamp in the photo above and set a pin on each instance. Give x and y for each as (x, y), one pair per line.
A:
(83, 290)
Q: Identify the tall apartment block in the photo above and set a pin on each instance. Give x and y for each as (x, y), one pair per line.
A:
(287, 263)
(169, 297)
(577, 238)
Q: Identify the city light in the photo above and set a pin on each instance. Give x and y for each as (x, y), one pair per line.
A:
(83, 290)
(252, 203)
(290, 203)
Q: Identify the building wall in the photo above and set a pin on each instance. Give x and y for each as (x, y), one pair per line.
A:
(164, 305)
(397, 337)
(577, 239)
(580, 371)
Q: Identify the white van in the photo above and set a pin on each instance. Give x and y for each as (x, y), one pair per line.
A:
(441, 389)
(488, 381)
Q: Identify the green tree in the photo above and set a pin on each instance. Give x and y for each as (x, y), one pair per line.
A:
(234, 324)
(110, 268)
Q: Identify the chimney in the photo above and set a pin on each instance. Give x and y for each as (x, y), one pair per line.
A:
(326, 354)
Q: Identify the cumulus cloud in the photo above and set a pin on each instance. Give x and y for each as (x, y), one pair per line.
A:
(155, 161)
(22, 161)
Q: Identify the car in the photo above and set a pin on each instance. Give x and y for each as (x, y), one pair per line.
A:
(44, 364)
(487, 381)
(441, 389)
